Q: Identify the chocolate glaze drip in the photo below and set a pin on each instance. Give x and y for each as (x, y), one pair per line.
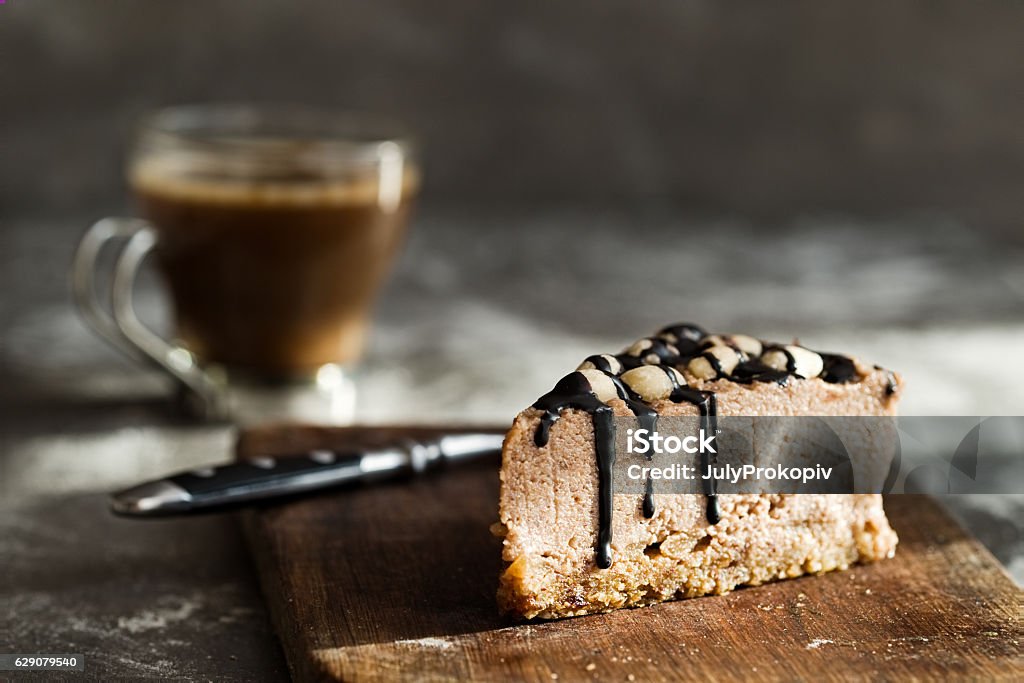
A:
(674, 345)
(838, 369)
(628, 362)
(601, 363)
(572, 391)
(676, 395)
(647, 417)
(706, 404)
(679, 331)
(660, 351)
(712, 359)
(685, 336)
(604, 442)
(709, 422)
(756, 371)
(708, 407)
(790, 361)
(726, 341)
(891, 386)
(575, 391)
(648, 505)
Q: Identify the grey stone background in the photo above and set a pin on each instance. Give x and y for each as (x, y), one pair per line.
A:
(848, 172)
(766, 110)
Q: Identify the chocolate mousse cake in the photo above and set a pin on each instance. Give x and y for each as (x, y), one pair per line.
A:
(572, 546)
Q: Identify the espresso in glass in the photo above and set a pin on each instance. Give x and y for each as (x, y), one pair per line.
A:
(274, 231)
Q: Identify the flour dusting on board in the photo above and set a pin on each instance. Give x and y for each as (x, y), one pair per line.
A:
(433, 643)
(818, 642)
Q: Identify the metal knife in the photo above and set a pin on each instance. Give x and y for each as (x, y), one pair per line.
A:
(273, 477)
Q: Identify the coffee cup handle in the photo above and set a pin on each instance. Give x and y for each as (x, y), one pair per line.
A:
(122, 327)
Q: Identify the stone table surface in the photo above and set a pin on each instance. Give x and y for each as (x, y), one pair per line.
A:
(485, 309)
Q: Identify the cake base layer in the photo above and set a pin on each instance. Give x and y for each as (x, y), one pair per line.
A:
(760, 538)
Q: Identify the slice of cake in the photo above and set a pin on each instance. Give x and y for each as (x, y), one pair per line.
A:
(573, 547)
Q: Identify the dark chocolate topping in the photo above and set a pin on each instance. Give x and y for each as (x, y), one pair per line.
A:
(680, 331)
(648, 419)
(756, 371)
(629, 362)
(648, 505)
(604, 445)
(685, 336)
(575, 391)
(658, 352)
(725, 340)
(891, 386)
(790, 361)
(838, 369)
(572, 391)
(599, 362)
(715, 364)
(709, 423)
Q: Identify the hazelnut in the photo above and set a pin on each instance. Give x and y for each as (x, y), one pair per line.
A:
(601, 385)
(653, 382)
(805, 363)
(725, 357)
(747, 344)
(638, 347)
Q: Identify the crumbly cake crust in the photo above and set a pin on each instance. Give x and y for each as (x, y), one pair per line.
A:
(549, 510)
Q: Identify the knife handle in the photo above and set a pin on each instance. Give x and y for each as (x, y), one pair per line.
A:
(262, 477)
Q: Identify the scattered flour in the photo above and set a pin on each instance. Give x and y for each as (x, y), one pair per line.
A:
(435, 643)
(818, 642)
(147, 620)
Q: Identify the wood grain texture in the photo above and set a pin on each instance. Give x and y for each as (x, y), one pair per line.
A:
(397, 581)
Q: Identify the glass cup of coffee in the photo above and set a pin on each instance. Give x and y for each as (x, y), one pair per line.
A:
(273, 228)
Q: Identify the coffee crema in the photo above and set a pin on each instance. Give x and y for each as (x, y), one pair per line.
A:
(274, 275)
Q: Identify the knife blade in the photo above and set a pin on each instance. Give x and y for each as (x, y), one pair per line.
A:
(265, 478)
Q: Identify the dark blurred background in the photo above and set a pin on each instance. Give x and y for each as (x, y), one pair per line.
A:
(763, 110)
(592, 169)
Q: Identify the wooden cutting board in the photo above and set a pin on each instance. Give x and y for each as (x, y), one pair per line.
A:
(397, 581)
